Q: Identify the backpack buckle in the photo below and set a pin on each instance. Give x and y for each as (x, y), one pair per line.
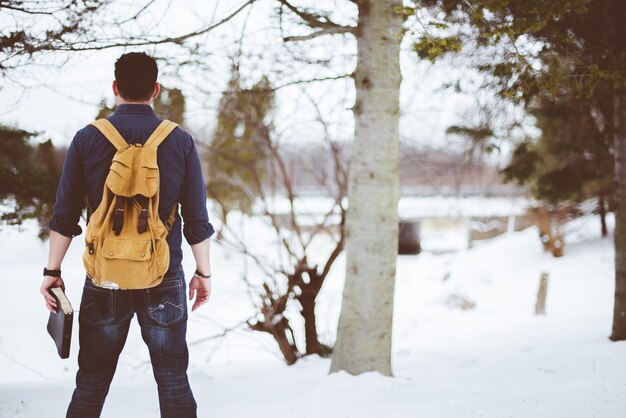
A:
(118, 215)
(142, 225)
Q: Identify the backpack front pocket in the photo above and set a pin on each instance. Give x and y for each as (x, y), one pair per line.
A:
(127, 263)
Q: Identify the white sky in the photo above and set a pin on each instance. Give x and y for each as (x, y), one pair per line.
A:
(59, 102)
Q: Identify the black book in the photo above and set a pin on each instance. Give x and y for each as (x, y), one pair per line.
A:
(60, 323)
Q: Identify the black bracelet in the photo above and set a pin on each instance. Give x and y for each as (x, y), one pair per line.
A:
(204, 276)
(51, 273)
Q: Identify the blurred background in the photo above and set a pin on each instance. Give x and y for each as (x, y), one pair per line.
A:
(511, 119)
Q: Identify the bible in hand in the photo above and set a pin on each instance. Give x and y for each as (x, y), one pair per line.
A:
(60, 323)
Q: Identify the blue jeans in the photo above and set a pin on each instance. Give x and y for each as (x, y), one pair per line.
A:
(104, 319)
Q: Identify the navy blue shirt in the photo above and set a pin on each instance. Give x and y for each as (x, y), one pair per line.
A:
(87, 165)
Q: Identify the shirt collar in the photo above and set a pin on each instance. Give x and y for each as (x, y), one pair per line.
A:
(142, 109)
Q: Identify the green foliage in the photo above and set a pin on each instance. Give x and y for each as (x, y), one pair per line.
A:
(29, 174)
(104, 111)
(524, 163)
(241, 144)
(564, 61)
(481, 137)
(431, 47)
(404, 10)
(170, 104)
(570, 161)
(587, 36)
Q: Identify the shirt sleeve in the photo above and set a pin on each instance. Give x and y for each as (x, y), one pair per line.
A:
(196, 225)
(70, 195)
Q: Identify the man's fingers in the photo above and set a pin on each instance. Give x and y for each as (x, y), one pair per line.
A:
(50, 300)
(51, 305)
(200, 300)
(201, 290)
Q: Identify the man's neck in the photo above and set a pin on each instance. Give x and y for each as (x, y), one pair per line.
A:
(121, 101)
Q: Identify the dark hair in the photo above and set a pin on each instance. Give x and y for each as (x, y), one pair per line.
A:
(136, 73)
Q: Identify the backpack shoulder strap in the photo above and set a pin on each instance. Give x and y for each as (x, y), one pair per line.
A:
(110, 133)
(171, 218)
(160, 133)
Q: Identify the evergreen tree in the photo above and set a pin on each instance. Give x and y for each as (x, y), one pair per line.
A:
(104, 111)
(169, 104)
(29, 173)
(570, 161)
(240, 145)
(578, 45)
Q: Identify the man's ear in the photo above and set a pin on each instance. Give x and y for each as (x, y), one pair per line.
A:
(157, 90)
(116, 91)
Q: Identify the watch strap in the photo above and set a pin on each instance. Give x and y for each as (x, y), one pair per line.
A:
(51, 273)
(204, 276)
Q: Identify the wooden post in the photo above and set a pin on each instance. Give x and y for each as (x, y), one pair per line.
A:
(409, 238)
(540, 306)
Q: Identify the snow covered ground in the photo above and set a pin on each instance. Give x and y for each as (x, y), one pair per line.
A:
(496, 360)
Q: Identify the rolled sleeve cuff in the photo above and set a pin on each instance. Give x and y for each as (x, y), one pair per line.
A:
(197, 233)
(65, 226)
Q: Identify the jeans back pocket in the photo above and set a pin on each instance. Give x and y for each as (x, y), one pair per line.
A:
(97, 305)
(166, 302)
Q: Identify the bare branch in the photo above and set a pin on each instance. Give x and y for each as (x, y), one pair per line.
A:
(136, 15)
(315, 20)
(321, 32)
(171, 40)
(14, 8)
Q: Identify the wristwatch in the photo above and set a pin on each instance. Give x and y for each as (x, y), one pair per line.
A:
(204, 276)
(51, 273)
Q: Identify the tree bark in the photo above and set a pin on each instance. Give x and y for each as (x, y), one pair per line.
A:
(289, 350)
(365, 324)
(542, 293)
(602, 213)
(280, 331)
(619, 311)
(310, 327)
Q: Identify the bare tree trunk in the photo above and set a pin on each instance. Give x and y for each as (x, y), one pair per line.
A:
(364, 333)
(542, 293)
(602, 213)
(275, 323)
(310, 327)
(288, 348)
(619, 311)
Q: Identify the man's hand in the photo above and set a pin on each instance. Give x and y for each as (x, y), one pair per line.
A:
(48, 282)
(201, 288)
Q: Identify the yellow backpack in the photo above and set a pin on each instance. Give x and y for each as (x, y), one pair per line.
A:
(125, 240)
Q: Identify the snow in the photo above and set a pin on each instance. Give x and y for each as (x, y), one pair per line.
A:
(411, 207)
(495, 360)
